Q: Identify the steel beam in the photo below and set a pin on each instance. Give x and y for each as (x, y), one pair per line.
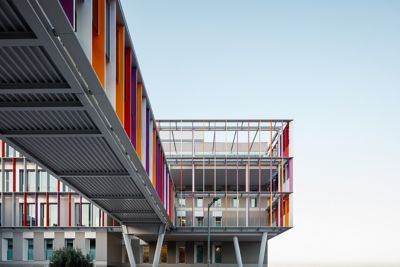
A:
(263, 250)
(237, 251)
(32, 87)
(161, 233)
(124, 198)
(93, 174)
(52, 133)
(79, 74)
(128, 246)
(132, 212)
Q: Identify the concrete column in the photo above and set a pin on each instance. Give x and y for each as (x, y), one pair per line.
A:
(38, 245)
(128, 246)
(237, 251)
(161, 233)
(263, 248)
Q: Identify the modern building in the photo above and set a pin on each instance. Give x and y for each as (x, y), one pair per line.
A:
(100, 173)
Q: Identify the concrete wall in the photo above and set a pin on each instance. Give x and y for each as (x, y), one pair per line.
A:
(81, 238)
(114, 248)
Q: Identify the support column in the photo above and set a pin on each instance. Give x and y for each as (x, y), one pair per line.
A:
(128, 246)
(237, 251)
(247, 191)
(161, 233)
(263, 249)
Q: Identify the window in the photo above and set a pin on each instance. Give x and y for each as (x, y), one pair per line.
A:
(85, 220)
(253, 202)
(96, 216)
(31, 220)
(164, 254)
(53, 219)
(182, 254)
(42, 182)
(182, 221)
(53, 181)
(7, 181)
(182, 203)
(31, 179)
(21, 181)
(218, 221)
(199, 202)
(92, 248)
(235, 202)
(48, 249)
(199, 253)
(218, 254)
(41, 215)
(146, 254)
(10, 152)
(30, 216)
(199, 221)
(10, 247)
(29, 249)
(218, 203)
(69, 243)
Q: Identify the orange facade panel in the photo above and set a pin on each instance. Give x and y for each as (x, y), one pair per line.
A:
(139, 120)
(99, 40)
(120, 94)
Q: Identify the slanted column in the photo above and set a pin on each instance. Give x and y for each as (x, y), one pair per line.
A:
(263, 249)
(128, 246)
(157, 253)
(237, 251)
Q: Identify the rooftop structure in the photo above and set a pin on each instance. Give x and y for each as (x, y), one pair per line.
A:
(246, 163)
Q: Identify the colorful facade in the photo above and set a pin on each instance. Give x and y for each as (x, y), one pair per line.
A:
(114, 61)
(77, 107)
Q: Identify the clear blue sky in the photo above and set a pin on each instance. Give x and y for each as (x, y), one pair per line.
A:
(332, 66)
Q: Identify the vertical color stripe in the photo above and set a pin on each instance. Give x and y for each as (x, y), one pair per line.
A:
(99, 41)
(120, 95)
(14, 174)
(3, 149)
(148, 141)
(80, 211)
(36, 208)
(25, 209)
(69, 9)
(47, 209)
(133, 106)
(290, 175)
(286, 141)
(58, 201)
(139, 121)
(128, 91)
(154, 157)
(69, 209)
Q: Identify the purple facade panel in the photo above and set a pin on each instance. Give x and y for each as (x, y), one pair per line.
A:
(157, 167)
(69, 9)
(290, 175)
